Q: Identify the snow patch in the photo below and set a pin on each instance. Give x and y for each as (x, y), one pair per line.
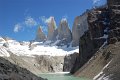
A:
(49, 19)
(103, 37)
(64, 20)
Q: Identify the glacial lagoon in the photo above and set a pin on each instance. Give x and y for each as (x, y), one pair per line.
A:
(60, 76)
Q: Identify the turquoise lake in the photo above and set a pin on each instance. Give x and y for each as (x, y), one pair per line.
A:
(59, 76)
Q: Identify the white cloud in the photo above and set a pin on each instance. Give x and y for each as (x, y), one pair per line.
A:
(46, 20)
(17, 27)
(95, 1)
(30, 22)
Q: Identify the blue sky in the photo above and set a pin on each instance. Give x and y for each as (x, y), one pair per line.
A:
(19, 19)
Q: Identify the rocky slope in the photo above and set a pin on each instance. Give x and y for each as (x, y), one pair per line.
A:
(112, 69)
(10, 71)
(105, 63)
(39, 64)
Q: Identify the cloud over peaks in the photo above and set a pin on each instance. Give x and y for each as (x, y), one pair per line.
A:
(30, 22)
(46, 20)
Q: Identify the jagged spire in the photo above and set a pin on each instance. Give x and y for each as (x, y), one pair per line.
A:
(40, 35)
(51, 27)
(64, 33)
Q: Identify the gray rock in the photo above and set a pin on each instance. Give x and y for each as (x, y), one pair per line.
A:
(32, 46)
(51, 28)
(69, 61)
(64, 33)
(55, 35)
(6, 45)
(79, 27)
(40, 35)
(50, 63)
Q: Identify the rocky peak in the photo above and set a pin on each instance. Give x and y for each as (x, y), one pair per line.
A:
(64, 20)
(79, 27)
(51, 28)
(40, 35)
(64, 33)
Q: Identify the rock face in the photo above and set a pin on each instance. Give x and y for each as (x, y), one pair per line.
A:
(38, 64)
(40, 35)
(94, 38)
(69, 61)
(113, 2)
(9, 71)
(112, 70)
(51, 29)
(79, 27)
(6, 45)
(114, 32)
(50, 63)
(55, 35)
(64, 33)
